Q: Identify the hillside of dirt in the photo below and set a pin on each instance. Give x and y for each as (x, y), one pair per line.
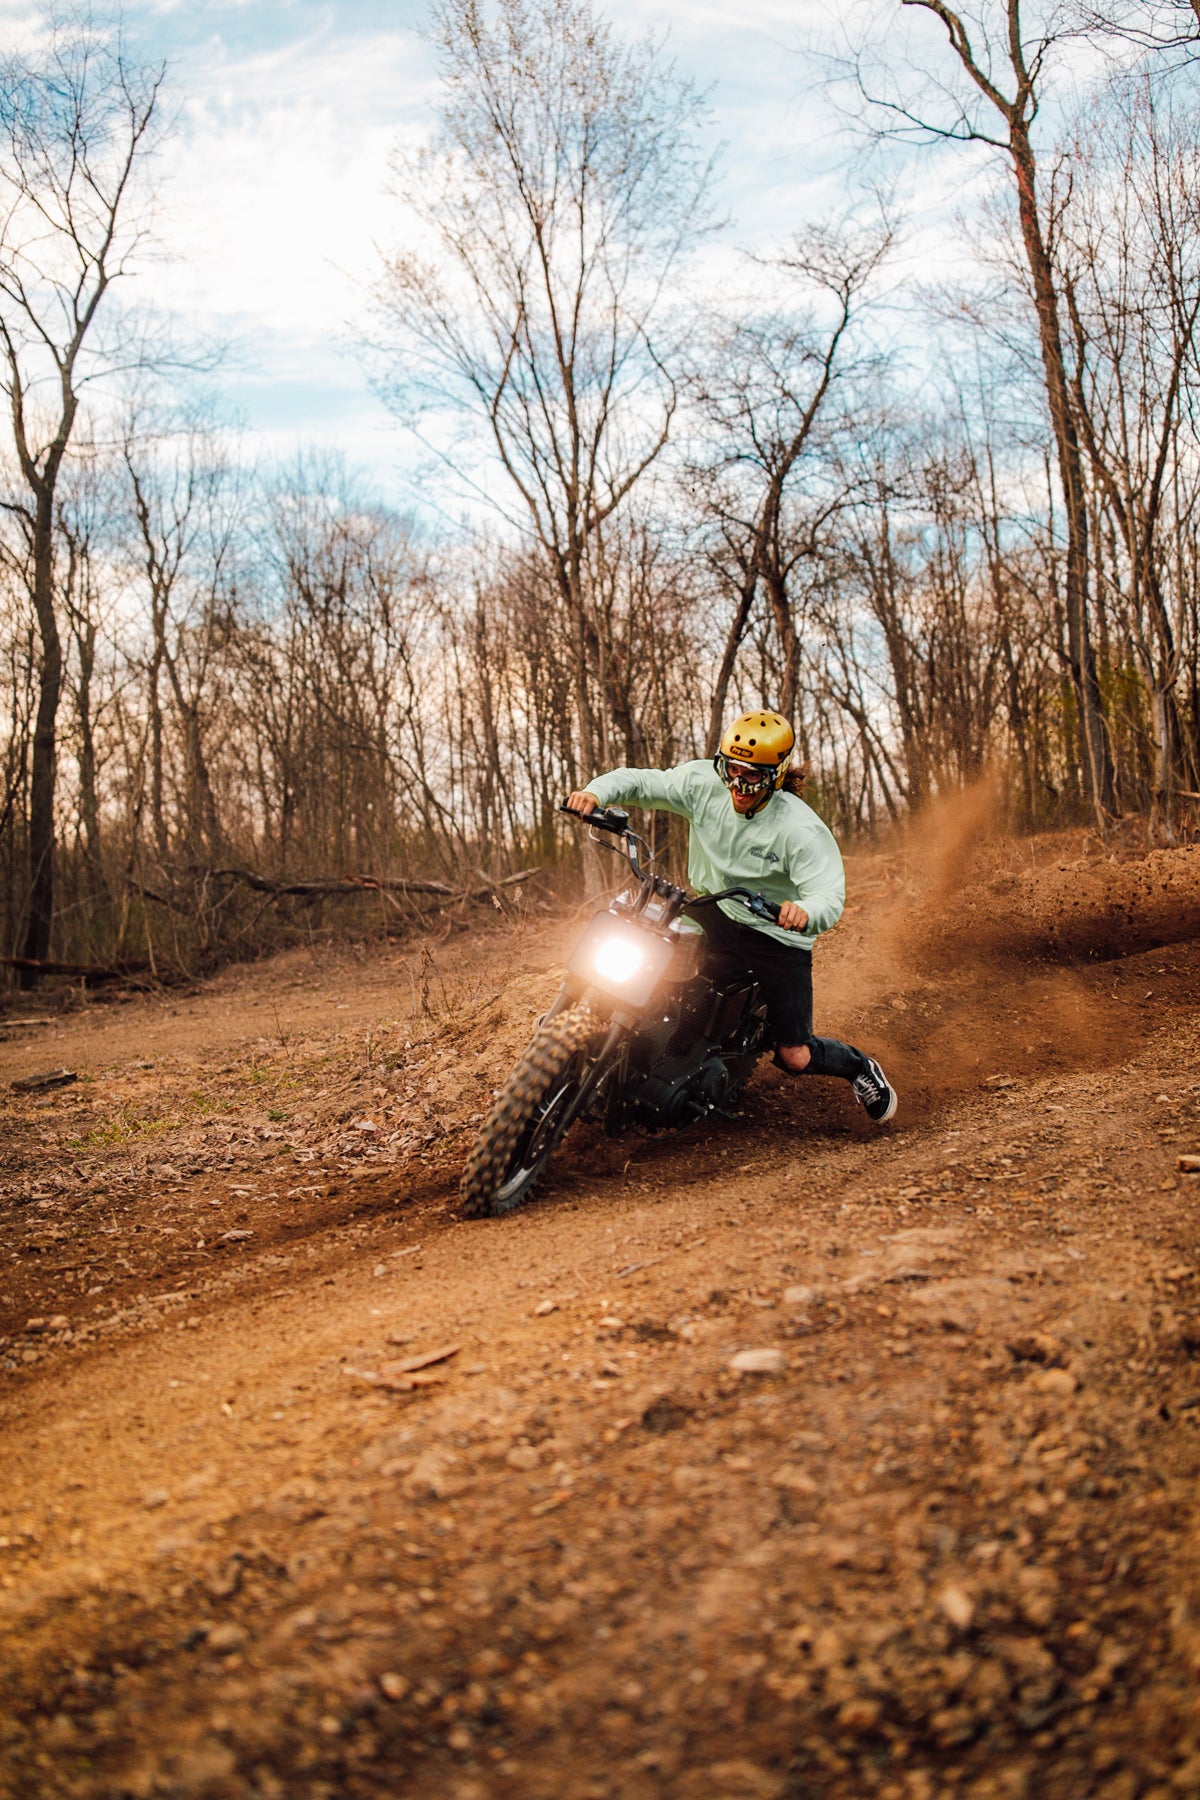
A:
(938, 1538)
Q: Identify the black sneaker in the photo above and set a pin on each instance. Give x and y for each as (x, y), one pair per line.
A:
(873, 1090)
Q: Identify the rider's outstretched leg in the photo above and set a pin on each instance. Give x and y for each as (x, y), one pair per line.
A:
(786, 976)
(829, 1056)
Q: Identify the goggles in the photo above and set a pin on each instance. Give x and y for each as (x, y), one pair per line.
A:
(745, 778)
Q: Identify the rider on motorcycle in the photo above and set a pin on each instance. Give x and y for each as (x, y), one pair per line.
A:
(768, 840)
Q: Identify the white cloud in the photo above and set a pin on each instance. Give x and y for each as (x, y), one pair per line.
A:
(274, 182)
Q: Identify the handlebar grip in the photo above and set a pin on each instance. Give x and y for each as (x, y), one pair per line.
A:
(601, 818)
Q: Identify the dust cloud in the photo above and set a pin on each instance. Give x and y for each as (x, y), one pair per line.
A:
(968, 955)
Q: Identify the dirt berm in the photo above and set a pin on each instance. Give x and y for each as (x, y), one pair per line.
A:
(1078, 910)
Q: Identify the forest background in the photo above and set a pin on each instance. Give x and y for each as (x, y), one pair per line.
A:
(948, 521)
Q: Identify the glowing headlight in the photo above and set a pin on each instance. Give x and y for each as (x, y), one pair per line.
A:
(617, 959)
(623, 960)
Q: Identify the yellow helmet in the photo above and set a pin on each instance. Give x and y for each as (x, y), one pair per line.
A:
(764, 740)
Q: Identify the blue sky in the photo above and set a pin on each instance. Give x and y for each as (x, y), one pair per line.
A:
(273, 179)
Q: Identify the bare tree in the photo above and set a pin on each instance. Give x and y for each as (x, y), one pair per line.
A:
(83, 514)
(1154, 25)
(555, 205)
(1005, 66)
(18, 686)
(1130, 271)
(762, 398)
(187, 505)
(76, 118)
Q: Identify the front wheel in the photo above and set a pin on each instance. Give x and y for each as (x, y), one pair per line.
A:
(522, 1128)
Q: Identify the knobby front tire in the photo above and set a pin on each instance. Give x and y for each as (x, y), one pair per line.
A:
(518, 1135)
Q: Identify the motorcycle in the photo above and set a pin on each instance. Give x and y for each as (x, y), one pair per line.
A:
(647, 1031)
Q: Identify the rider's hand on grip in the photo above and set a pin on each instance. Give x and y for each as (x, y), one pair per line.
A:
(612, 819)
(791, 916)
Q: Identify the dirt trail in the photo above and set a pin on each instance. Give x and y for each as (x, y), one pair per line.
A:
(947, 1547)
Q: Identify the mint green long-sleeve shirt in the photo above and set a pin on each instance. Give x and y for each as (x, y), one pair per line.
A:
(784, 851)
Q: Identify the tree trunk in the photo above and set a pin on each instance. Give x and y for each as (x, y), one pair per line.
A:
(733, 643)
(158, 821)
(40, 916)
(89, 804)
(789, 641)
(1096, 757)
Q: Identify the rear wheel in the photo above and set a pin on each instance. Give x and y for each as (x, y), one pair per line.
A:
(521, 1130)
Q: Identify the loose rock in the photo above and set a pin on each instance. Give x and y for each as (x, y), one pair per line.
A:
(957, 1605)
(1054, 1381)
(433, 1476)
(759, 1362)
(793, 1480)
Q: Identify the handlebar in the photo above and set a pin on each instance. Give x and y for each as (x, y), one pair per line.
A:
(759, 905)
(615, 820)
(601, 818)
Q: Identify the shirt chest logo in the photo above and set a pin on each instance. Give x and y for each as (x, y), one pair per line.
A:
(767, 856)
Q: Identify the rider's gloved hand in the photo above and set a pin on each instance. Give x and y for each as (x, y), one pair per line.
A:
(582, 802)
(793, 917)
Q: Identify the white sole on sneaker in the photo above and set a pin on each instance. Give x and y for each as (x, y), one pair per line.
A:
(878, 1079)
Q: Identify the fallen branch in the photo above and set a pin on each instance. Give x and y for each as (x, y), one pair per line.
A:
(410, 1372)
(35, 1084)
(321, 885)
(138, 887)
(86, 972)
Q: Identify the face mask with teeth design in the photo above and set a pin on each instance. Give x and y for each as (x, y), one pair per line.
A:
(749, 781)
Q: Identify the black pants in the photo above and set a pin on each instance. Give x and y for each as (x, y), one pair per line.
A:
(785, 975)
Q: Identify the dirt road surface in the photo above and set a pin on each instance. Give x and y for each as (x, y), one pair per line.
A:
(942, 1540)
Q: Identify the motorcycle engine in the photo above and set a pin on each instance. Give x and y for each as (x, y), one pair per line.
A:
(680, 1087)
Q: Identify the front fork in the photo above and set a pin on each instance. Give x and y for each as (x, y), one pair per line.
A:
(602, 1062)
(595, 1075)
